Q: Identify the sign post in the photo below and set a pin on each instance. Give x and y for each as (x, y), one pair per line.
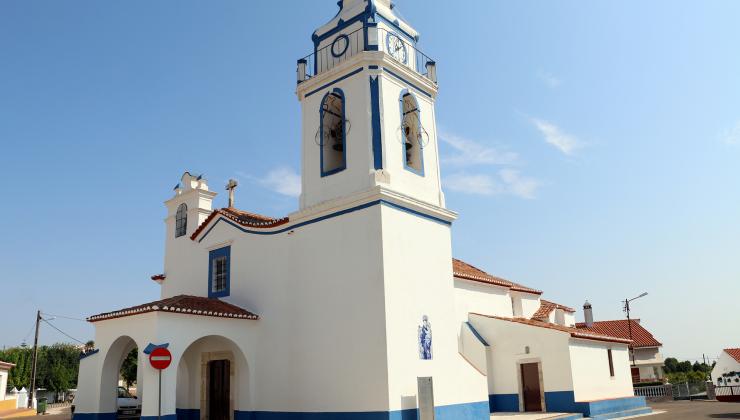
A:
(160, 358)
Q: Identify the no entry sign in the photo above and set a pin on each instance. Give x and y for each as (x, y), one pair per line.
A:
(160, 358)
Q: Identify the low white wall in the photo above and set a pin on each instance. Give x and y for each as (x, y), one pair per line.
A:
(591, 376)
(3, 383)
(508, 343)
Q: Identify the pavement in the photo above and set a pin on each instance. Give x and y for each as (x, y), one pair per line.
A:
(696, 410)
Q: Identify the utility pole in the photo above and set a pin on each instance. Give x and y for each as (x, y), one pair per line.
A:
(32, 391)
(629, 325)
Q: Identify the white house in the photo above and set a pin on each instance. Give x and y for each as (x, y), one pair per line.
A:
(4, 369)
(647, 363)
(727, 370)
(351, 307)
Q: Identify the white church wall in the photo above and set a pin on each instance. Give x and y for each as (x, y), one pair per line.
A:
(418, 282)
(480, 298)
(591, 376)
(318, 291)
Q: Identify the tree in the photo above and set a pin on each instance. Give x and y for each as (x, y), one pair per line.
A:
(671, 365)
(128, 368)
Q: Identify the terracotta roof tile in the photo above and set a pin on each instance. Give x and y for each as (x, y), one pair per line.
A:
(6, 365)
(546, 308)
(619, 328)
(734, 353)
(466, 271)
(241, 217)
(574, 332)
(183, 304)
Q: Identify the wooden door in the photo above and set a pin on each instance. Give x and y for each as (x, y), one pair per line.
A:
(531, 387)
(635, 374)
(219, 389)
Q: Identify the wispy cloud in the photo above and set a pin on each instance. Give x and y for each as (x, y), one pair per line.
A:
(555, 136)
(548, 79)
(506, 181)
(469, 152)
(732, 136)
(282, 180)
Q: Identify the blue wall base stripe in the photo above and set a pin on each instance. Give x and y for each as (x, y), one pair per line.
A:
(95, 416)
(188, 414)
(503, 403)
(564, 401)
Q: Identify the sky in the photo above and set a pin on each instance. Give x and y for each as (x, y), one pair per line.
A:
(591, 149)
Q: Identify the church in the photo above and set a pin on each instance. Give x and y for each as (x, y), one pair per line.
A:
(351, 307)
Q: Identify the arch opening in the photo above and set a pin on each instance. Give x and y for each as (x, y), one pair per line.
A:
(412, 133)
(121, 387)
(212, 380)
(333, 133)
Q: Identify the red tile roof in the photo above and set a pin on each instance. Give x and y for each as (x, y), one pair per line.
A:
(734, 353)
(182, 304)
(574, 332)
(546, 308)
(242, 218)
(6, 365)
(466, 271)
(619, 328)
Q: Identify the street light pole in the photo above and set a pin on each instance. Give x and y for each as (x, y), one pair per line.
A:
(629, 324)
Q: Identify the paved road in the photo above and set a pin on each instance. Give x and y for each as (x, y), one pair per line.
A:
(695, 410)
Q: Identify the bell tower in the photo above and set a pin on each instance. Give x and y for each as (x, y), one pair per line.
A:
(367, 95)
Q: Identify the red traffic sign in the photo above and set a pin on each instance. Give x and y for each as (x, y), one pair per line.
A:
(160, 358)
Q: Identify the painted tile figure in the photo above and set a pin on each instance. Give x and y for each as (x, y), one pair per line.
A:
(425, 339)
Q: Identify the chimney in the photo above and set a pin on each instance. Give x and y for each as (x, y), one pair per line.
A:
(588, 314)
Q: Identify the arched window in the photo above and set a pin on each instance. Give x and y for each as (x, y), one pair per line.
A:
(181, 220)
(413, 158)
(333, 133)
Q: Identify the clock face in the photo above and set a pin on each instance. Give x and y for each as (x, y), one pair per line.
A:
(397, 48)
(339, 46)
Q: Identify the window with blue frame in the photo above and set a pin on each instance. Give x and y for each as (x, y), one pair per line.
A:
(333, 133)
(219, 272)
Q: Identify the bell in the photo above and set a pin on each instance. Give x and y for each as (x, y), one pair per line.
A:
(338, 144)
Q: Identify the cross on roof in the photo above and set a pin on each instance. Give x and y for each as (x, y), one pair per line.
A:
(230, 187)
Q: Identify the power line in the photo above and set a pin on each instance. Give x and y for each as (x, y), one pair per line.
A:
(64, 317)
(69, 336)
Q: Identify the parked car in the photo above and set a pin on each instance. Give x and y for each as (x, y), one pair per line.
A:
(127, 406)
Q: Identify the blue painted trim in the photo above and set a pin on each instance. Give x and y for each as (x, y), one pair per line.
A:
(506, 403)
(218, 253)
(411, 169)
(328, 216)
(151, 346)
(370, 15)
(334, 81)
(564, 401)
(466, 411)
(92, 352)
(407, 82)
(164, 417)
(375, 122)
(373, 67)
(187, 414)
(343, 166)
(95, 416)
(333, 44)
(476, 334)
